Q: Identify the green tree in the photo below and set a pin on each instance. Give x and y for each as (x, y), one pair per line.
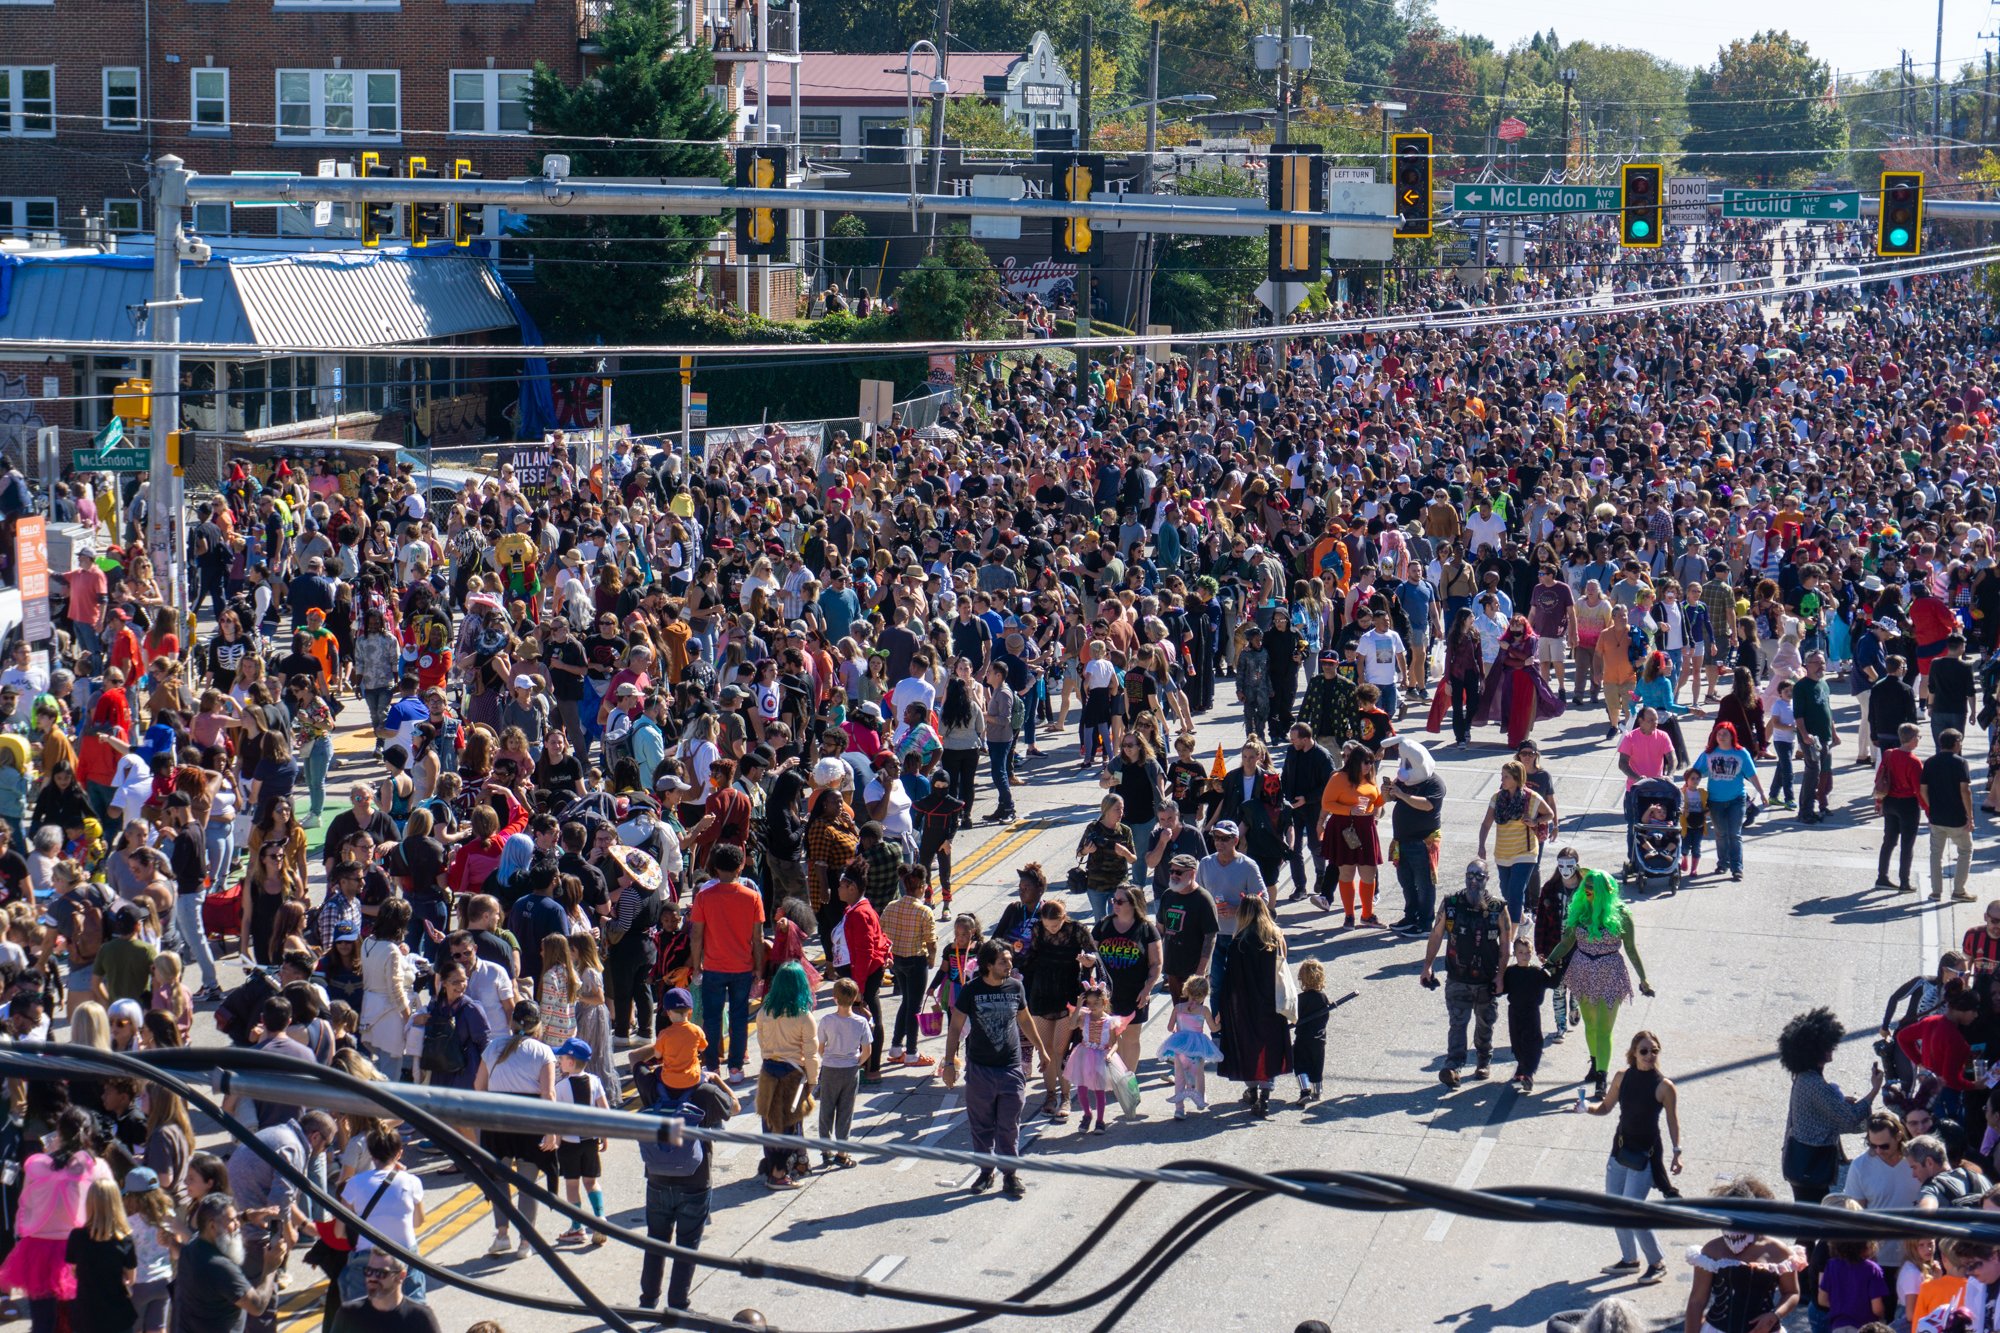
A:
(847, 243)
(952, 293)
(1205, 282)
(1761, 113)
(977, 124)
(1433, 65)
(645, 112)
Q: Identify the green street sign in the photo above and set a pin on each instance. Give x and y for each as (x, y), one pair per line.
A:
(1500, 197)
(1825, 205)
(111, 436)
(114, 460)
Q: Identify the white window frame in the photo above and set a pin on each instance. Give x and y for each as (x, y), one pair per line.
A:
(356, 108)
(138, 208)
(14, 104)
(490, 100)
(203, 229)
(807, 134)
(195, 99)
(122, 124)
(17, 223)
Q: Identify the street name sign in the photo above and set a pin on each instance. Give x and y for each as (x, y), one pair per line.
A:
(1824, 205)
(1502, 197)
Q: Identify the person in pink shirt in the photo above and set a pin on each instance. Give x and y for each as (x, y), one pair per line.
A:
(87, 589)
(864, 731)
(54, 1187)
(1646, 750)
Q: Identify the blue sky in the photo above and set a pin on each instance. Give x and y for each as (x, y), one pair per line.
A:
(1849, 34)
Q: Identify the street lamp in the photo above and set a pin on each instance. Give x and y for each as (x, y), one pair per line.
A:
(940, 88)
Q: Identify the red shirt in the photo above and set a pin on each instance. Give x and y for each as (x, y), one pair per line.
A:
(1978, 944)
(1939, 1045)
(96, 760)
(1901, 776)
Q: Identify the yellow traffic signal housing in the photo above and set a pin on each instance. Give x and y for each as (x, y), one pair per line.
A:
(133, 400)
(1899, 218)
(1077, 177)
(468, 221)
(1296, 183)
(427, 220)
(761, 231)
(377, 219)
(1410, 155)
(1642, 206)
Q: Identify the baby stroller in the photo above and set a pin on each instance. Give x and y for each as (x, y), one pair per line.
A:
(1653, 835)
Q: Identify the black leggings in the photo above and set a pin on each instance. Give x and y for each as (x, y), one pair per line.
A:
(1464, 703)
(933, 845)
(962, 767)
(627, 981)
(1899, 832)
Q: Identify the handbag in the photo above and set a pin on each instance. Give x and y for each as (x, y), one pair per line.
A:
(1810, 1164)
(1078, 880)
(1288, 992)
(930, 1022)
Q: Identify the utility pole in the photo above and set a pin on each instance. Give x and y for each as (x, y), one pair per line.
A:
(942, 91)
(1152, 147)
(164, 501)
(1562, 223)
(1284, 71)
(1937, 93)
(1083, 264)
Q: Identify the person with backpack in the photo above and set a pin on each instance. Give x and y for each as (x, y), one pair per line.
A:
(1480, 933)
(78, 915)
(677, 1182)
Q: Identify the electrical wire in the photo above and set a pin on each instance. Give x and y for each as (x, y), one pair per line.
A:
(1539, 308)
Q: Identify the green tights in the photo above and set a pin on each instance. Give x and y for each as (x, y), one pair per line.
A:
(1598, 1020)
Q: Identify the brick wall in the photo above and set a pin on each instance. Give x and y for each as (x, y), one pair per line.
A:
(31, 394)
(84, 164)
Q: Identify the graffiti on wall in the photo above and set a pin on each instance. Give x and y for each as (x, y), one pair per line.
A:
(20, 416)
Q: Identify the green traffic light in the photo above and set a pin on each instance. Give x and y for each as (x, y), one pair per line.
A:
(1899, 236)
(1641, 228)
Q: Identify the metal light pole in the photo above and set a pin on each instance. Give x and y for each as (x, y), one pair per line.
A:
(1284, 71)
(1083, 263)
(1153, 103)
(939, 88)
(164, 501)
(1562, 223)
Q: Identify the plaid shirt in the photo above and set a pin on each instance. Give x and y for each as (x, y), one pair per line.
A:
(828, 850)
(911, 928)
(884, 864)
(338, 909)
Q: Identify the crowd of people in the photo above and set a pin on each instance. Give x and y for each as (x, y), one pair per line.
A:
(657, 744)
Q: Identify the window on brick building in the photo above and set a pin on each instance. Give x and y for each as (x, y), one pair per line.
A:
(489, 101)
(339, 103)
(27, 100)
(18, 217)
(211, 219)
(123, 215)
(121, 99)
(210, 101)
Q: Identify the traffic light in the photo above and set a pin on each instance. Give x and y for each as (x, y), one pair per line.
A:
(377, 219)
(1296, 183)
(1077, 177)
(1412, 154)
(1640, 212)
(1899, 221)
(760, 231)
(427, 221)
(467, 220)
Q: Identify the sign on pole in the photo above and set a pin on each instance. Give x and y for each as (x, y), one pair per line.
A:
(1811, 205)
(1687, 200)
(1503, 197)
(1513, 129)
(1350, 175)
(698, 408)
(532, 465)
(113, 460)
(31, 575)
(878, 402)
(998, 187)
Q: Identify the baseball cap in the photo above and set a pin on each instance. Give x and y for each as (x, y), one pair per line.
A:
(524, 682)
(678, 998)
(576, 1048)
(1226, 828)
(141, 1180)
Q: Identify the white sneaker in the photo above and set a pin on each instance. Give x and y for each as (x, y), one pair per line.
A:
(1322, 902)
(524, 1249)
(1180, 1112)
(500, 1246)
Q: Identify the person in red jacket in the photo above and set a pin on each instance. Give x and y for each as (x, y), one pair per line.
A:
(861, 951)
(479, 855)
(1938, 1044)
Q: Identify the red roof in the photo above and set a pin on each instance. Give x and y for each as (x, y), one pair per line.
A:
(842, 78)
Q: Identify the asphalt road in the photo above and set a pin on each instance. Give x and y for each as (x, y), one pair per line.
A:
(1731, 962)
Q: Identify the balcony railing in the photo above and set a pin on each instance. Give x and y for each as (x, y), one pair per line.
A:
(590, 17)
(730, 28)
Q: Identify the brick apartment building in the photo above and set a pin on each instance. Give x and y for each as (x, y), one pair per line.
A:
(91, 90)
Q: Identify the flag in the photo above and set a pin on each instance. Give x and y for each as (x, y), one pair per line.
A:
(111, 436)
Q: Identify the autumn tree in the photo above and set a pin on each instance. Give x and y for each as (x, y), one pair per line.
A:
(1762, 112)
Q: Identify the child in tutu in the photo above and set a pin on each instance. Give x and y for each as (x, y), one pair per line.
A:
(1093, 1069)
(1191, 1047)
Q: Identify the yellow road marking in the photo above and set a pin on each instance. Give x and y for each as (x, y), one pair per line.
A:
(469, 1205)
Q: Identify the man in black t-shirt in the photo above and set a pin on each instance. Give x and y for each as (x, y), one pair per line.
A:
(211, 1294)
(1948, 800)
(387, 1309)
(996, 1086)
(568, 664)
(1947, 688)
(1188, 925)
